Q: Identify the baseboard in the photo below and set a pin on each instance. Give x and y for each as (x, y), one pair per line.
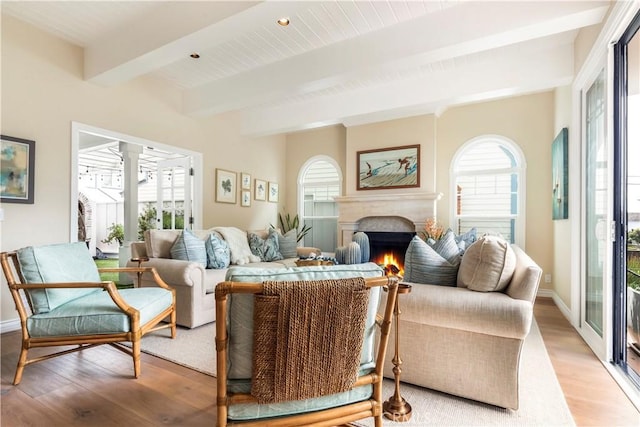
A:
(545, 293)
(9, 325)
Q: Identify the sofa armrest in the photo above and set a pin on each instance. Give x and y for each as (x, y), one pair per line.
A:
(176, 272)
(526, 277)
(491, 313)
(138, 250)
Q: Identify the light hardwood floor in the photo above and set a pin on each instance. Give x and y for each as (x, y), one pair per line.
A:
(96, 389)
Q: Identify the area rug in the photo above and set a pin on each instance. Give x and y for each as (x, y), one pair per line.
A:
(541, 400)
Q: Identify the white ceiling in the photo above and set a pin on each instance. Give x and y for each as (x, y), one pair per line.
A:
(349, 62)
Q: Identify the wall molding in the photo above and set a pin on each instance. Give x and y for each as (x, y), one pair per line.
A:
(9, 325)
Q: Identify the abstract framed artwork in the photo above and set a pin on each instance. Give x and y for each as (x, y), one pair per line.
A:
(560, 175)
(274, 192)
(394, 167)
(245, 181)
(225, 186)
(260, 188)
(17, 157)
(245, 198)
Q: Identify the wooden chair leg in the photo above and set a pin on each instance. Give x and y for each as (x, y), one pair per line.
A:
(135, 350)
(22, 362)
(173, 324)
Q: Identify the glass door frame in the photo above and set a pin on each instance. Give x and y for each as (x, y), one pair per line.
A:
(620, 116)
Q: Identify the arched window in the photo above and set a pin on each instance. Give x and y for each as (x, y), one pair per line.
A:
(487, 176)
(319, 181)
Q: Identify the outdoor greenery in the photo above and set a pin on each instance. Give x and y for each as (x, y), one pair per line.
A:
(633, 271)
(292, 223)
(116, 232)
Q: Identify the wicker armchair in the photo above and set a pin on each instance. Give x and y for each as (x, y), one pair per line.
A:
(61, 301)
(308, 336)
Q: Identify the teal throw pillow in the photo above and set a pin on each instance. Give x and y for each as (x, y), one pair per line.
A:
(188, 247)
(267, 249)
(218, 254)
(433, 265)
(288, 244)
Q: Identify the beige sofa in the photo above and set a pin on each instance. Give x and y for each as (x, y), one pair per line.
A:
(464, 342)
(194, 284)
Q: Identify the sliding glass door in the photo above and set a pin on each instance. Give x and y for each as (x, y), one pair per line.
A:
(596, 212)
(627, 202)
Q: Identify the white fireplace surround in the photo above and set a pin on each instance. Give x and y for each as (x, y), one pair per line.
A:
(400, 212)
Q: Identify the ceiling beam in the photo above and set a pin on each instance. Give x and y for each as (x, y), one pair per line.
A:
(425, 94)
(172, 32)
(459, 31)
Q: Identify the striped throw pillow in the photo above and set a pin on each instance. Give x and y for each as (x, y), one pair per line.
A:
(433, 265)
(188, 247)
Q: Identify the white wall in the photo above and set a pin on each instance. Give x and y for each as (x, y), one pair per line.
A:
(43, 92)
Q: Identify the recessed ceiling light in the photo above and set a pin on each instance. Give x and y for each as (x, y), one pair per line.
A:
(283, 22)
(195, 55)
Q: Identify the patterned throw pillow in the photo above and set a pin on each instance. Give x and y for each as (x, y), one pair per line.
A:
(465, 240)
(218, 254)
(188, 247)
(267, 249)
(288, 244)
(433, 265)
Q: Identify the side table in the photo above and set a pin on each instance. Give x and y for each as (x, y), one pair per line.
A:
(396, 408)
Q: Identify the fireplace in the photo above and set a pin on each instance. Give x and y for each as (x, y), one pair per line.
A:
(391, 245)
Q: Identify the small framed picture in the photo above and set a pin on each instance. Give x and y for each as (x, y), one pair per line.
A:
(225, 186)
(245, 181)
(245, 198)
(260, 188)
(273, 192)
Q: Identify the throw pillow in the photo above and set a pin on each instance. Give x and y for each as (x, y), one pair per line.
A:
(288, 244)
(465, 240)
(218, 255)
(267, 249)
(487, 265)
(238, 245)
(188, 247)
(425, 264)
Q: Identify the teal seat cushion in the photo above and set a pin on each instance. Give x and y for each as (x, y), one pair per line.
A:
(96, 313)
(64, 262)
(248, 411)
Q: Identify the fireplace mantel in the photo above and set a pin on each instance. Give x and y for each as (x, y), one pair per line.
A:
(414, 207)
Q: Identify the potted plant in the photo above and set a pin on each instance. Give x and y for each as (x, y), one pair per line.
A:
(633, 290)
(292, 223)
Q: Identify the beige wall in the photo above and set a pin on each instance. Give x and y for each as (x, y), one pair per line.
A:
(43, 92)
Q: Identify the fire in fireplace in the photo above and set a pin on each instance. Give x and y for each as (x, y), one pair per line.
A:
(389, 247)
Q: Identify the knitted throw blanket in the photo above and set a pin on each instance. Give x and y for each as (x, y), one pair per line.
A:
(307, 338)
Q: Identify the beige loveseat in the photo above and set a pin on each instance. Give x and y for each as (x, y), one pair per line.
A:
(194, 284)
(465, 342)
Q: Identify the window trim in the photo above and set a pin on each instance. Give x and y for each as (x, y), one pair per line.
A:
(520, 169)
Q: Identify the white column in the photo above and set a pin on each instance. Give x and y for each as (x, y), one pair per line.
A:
(130, 155)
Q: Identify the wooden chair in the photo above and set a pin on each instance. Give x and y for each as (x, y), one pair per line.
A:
(241, 400)
(61, 301)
